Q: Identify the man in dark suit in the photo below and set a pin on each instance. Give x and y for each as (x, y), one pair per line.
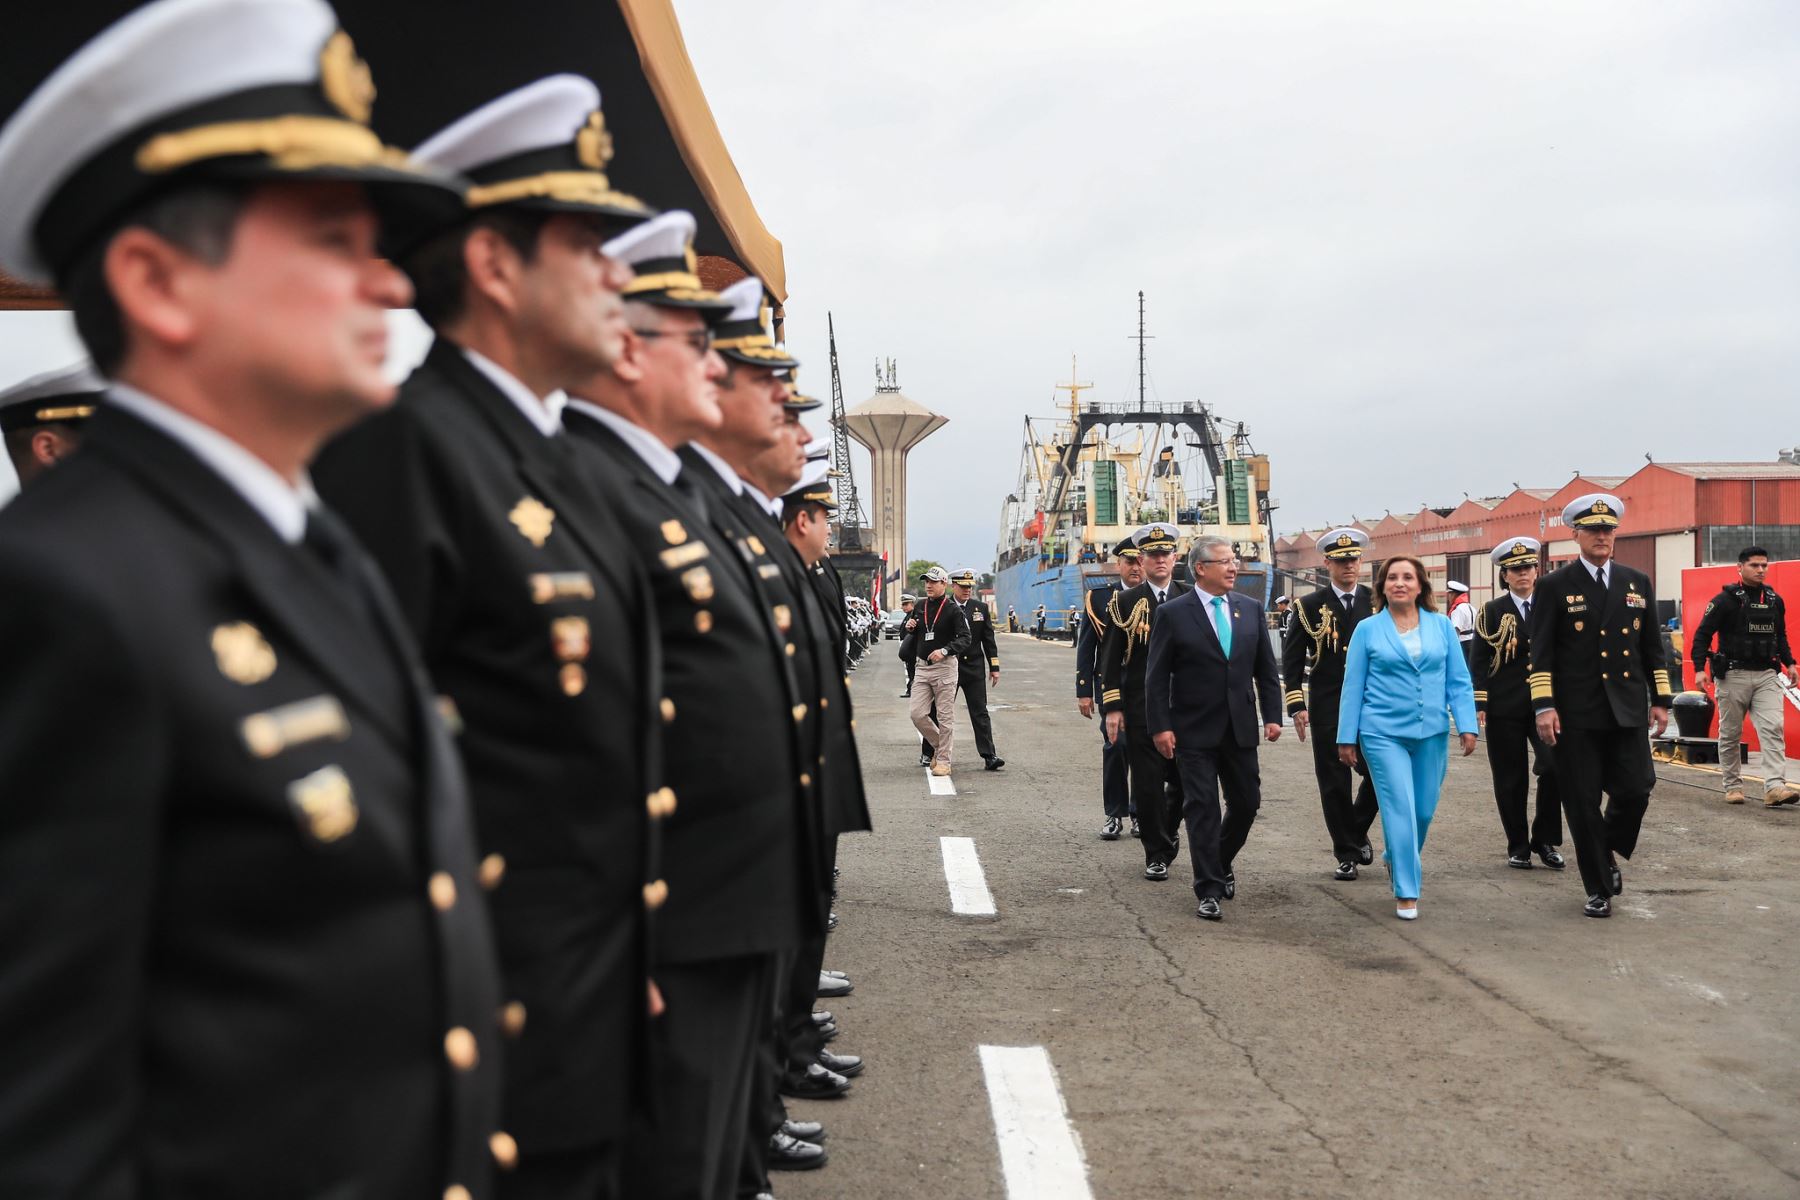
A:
(1501, 649)
(1597, 680)
(1155, 779)
(535, 621)
(243, 950)
(1312, 664)
(1115, 776)
(741, 851)
(1211, 668)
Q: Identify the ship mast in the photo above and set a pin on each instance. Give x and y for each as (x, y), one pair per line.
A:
(1140, 339)
(1075, 389)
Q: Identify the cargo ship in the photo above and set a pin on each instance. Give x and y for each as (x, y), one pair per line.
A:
(1098, 471)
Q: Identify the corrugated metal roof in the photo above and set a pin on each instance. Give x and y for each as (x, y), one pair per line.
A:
(1733, 470)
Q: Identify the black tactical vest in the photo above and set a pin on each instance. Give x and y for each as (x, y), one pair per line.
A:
(1751, 635)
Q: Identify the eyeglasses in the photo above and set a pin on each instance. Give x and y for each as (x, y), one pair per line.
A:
(698, 340)
(1219, 562)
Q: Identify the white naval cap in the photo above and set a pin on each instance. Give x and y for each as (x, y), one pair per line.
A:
(814, 487)
(661, 252)
(195, 89)
(1158, 535)
(1596, 510)
(744, 333)
(542, 147)
(1516, 552)
(65, 394)
(1346, 542)
(1457, 585)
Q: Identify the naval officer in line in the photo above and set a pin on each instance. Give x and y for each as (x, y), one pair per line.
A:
(41, 418)
(537, 625)
(1516, 754)
(245, 954)
(1597, 680)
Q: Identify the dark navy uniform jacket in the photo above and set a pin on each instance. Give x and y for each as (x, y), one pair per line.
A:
(1596, 656)
(243, 953)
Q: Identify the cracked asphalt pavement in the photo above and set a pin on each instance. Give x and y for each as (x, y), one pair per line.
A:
(1310, 1045)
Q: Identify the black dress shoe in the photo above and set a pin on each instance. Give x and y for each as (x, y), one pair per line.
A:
(1135, 831)
(847, 1065)
(1230, 884)
(1345, 870)
(845, 975)
(833, 988)
(1597, 906)
(827, 1032)
(1366, 852)
(789, 1153)
(995, 763)
(1158, 871)
(816, 1084)
(924, 760)
(1521, 860)
(1111, 830)
(907, 693)
(1209, 910)
(1617, 880)
(806, 1131)
(831, 922)
(822, 1017)
(1549, 856)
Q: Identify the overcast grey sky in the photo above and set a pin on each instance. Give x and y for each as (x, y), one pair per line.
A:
(1420, 248)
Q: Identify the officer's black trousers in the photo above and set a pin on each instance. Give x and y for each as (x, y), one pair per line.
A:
(1155, 793)
(1615, 761)
(704, 1053)
(1213, 844)
(1115, 776)
(591, 1173)
(1347, 820)
(1515, 754)
(973, 686)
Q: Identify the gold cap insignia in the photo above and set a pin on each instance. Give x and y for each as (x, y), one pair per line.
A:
(674, 533)
(1599, 506)
(699, 584)
(345, 79)
(532, 518)
(593, 144)
(1345, 539)
(324, 803)
(1518, 547)
(243, 656)
(570, 637)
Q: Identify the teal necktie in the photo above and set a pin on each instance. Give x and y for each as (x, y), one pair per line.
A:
(1222, 622)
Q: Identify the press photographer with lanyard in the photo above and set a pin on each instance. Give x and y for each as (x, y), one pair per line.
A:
(940, 633)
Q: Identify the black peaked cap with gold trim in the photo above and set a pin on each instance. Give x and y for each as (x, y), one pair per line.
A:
(66, 396)
(181, 91)
(543, 147)
(744, 334)
(661, 252)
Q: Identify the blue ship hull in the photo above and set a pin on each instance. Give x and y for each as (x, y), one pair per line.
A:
(1024, 586)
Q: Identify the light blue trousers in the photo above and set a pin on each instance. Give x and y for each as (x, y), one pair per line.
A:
(1408, 773)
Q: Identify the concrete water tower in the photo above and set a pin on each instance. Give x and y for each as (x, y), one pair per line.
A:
(890, 425)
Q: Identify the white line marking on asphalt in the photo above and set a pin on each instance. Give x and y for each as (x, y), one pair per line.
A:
(969, 895)
(940, 785)
(1040, 1152)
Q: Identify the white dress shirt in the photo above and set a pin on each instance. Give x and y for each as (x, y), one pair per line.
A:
(718, 464)
(646, 445)
(544, 414)
(281, 503)
(1345, 599)
(1599, 572)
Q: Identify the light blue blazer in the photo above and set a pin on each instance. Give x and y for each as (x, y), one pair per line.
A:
(1386, 692)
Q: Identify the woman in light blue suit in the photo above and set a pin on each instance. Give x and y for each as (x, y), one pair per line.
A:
(1403, 677)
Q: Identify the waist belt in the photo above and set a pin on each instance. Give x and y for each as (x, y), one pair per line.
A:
(1749, 664)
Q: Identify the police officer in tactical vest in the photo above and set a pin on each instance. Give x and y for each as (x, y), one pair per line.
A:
(1750, 622)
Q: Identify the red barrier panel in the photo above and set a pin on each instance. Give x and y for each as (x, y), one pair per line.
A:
(1698, 586)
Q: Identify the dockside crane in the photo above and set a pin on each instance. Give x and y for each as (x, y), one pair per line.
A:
(843, 483)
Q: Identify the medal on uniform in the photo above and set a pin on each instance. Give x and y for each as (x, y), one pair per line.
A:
(533, 519)
(242, 653)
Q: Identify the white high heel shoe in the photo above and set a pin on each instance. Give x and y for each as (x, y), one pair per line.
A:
(1407, 914)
